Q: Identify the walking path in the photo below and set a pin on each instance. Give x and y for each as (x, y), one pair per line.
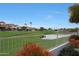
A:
(55, 36)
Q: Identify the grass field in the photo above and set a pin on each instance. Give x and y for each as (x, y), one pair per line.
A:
(17, 33)
(10, 46)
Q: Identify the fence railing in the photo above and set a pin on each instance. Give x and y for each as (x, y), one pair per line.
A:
(55, 51)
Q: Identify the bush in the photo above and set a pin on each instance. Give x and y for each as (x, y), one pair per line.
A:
(32, 50)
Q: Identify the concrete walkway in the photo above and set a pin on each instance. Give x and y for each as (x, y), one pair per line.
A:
(55, 36)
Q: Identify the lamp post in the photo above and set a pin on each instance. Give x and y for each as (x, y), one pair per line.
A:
(56, 32)
(25, 25)
(30, 26)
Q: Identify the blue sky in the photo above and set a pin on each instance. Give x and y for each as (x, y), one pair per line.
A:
(41, 15)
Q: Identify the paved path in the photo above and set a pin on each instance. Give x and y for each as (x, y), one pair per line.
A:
(55, 36)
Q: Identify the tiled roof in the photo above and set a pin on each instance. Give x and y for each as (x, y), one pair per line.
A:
(2, 22)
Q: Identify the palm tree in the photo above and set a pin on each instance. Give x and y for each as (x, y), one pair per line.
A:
(74, 14)
(30, 23)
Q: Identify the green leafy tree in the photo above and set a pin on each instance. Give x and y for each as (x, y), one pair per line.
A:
(49, 28)
(74, 14)
(42, 28)
(23, 28)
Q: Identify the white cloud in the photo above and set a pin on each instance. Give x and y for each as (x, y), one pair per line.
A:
(56, 12)
(49, 17)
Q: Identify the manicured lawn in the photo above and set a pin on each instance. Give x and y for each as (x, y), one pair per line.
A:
(17, 33)
(12, 45)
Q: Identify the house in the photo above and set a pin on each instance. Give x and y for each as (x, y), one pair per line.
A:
(11, 26)
(2, 25)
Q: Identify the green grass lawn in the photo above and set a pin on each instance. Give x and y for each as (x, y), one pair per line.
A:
(17, 33)
(13, 45)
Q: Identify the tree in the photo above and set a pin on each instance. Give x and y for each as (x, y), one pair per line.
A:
(23, 28)
(74, 14)
(42, 28)
(49, 28)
